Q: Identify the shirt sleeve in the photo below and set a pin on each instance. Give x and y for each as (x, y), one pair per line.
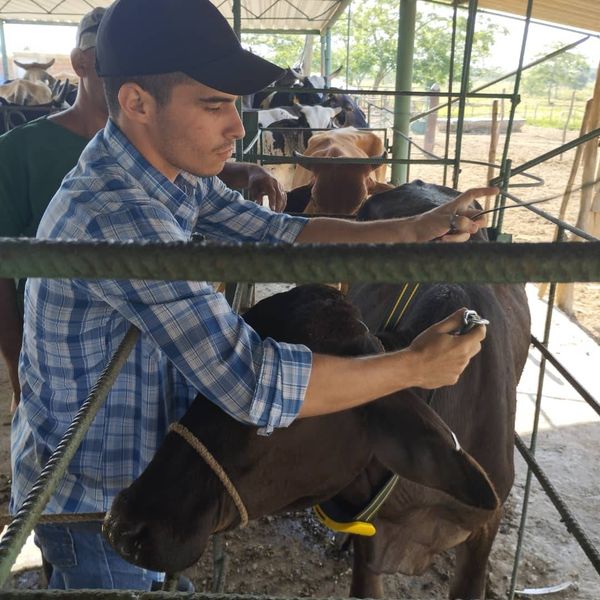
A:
(13, 186)
(225, 216)
(260, 382)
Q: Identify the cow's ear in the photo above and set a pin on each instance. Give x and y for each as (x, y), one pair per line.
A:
(411, 440)
(314, 168)
(376, 165)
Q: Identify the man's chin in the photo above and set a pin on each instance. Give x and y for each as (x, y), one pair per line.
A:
(208, 171)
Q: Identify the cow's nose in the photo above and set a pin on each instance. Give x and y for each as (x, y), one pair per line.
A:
(123, 535)
(129, 531)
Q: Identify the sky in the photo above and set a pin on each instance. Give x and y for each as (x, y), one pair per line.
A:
(507, 48)
(49, 39)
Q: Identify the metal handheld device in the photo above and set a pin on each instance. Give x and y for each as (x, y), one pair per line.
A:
(470, 319)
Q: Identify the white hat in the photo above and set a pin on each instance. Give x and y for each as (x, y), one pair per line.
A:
(88, 27)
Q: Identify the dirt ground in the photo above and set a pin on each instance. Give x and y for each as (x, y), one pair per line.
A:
(293, 555)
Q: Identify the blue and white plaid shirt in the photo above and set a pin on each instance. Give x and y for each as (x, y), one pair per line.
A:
(191, 340)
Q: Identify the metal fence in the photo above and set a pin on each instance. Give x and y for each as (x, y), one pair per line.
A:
(429, 262)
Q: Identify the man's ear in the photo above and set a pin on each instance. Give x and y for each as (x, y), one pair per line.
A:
(84, 62)
(79, 63)
(136, 103)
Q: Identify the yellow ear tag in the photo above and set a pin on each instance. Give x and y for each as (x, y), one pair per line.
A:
(355, 527)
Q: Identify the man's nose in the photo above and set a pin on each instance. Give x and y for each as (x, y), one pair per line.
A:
(237, 131)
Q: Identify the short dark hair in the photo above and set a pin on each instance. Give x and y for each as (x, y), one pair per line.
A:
(158, 86)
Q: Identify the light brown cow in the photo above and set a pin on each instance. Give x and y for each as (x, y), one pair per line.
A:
(35, 71)
(25, 93)
(341, 188)
(33, 89)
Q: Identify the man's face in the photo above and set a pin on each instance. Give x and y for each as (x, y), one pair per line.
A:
(93, 82)
(196, 130)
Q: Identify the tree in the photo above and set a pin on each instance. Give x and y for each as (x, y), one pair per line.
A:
(374, 29)
(283, 49)
(433, 42)
(569, 69)
(373, 43)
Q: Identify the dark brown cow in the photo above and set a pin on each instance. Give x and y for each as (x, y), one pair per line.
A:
(446, 496)
(480, 408)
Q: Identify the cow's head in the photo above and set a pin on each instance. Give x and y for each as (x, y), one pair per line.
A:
(340, 188)
(163, 520)
(37, 71)
(351, 114)
(409, 199)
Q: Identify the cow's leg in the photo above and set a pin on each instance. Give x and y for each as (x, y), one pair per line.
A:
(471, 562)
(365, 583)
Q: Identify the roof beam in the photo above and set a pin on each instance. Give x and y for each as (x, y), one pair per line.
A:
(336, 14)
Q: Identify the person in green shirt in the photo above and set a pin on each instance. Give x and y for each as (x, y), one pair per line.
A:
(35, 158)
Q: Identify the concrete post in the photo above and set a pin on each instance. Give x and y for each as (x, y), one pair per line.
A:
(432, 119)
(404, 70)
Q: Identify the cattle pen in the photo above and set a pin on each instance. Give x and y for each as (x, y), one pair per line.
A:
(557, 262)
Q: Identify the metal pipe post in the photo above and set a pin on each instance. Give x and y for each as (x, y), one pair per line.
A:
(404, 72)
(3, 50)
(515, 98)
(464, 88)
(237, 28)
(327, 56)
(348, 44)
(450, 90)
(323, 44)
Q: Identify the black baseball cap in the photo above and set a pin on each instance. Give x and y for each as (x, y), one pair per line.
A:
(152, 37)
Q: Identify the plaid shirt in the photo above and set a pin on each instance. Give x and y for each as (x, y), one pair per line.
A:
(191, 339)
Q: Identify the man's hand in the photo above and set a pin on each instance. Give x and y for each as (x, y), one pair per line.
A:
(261, 183)
(443, 356)
(454, 221)
(257, 181)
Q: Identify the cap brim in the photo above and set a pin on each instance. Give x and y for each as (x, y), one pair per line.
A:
(238, 74)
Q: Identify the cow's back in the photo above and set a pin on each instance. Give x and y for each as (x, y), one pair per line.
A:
(25, 93)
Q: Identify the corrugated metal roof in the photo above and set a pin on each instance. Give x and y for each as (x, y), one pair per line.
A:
(298, 15)
(580, 14)
(305, 15)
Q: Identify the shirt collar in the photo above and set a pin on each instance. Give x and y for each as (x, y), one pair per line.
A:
(149, 178)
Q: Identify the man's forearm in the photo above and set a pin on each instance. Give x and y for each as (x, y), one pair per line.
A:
(11, 329)
(435, 358)
(339, 383)
(339, 231)
(454, 221)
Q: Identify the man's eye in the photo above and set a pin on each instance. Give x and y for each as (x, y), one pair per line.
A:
(213, 108)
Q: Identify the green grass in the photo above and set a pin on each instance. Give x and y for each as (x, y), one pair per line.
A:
(536, 110)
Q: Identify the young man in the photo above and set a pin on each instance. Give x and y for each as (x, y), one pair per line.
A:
(172, 70)
(35, 158)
